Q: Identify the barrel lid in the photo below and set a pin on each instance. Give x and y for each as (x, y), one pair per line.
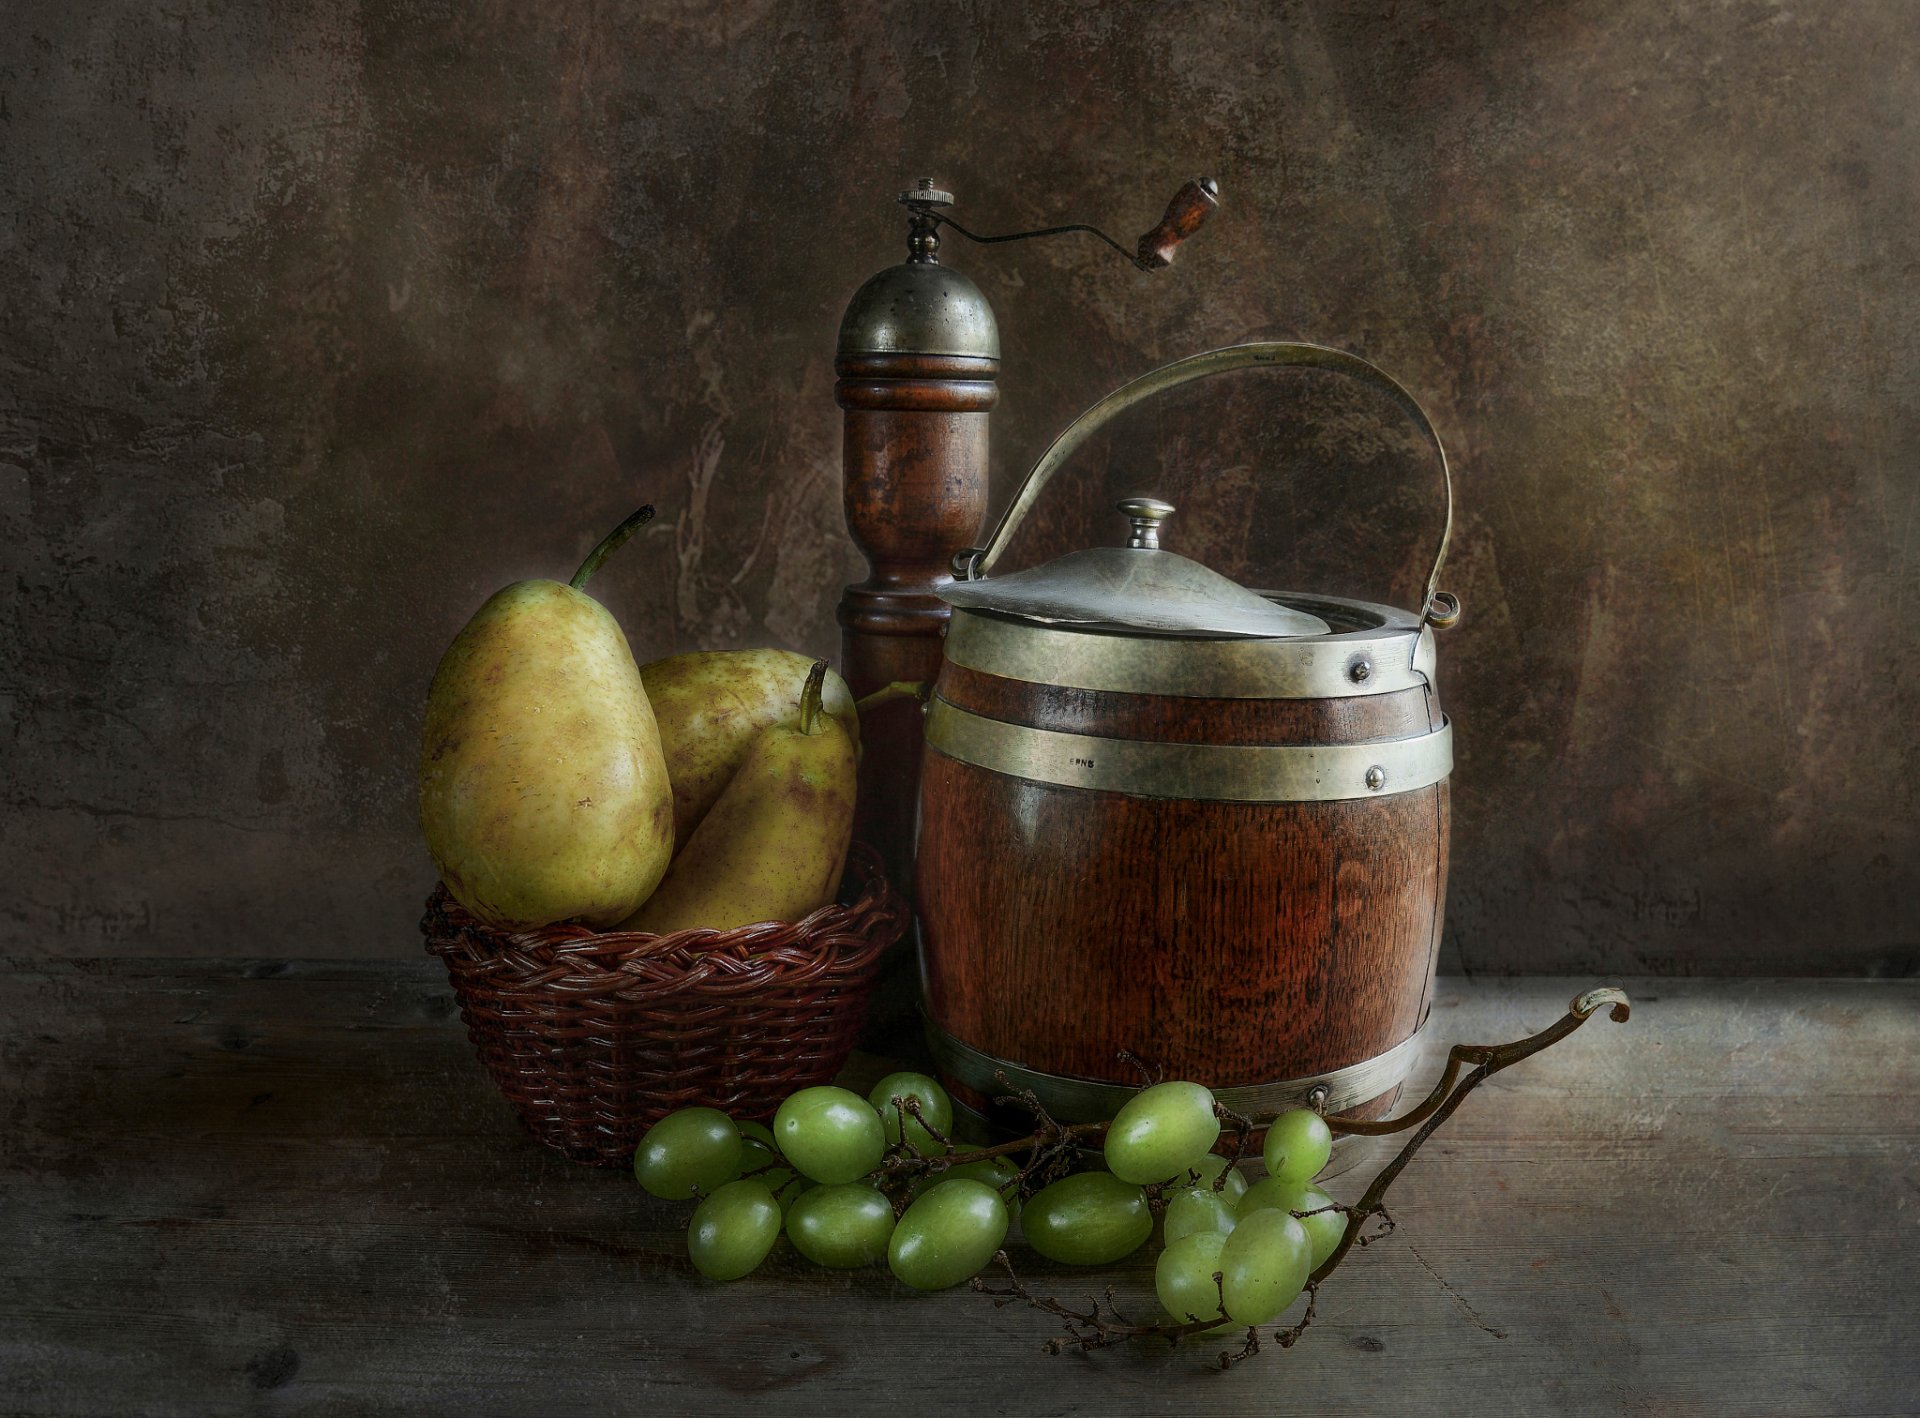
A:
(1138, 589)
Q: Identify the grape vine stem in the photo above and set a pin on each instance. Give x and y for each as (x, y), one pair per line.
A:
(1052, 1143)
(1097, 1326)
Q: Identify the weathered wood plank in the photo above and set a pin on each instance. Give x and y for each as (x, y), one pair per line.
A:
(232, 1189)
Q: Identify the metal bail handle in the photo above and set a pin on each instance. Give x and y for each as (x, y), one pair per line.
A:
(1436, 608)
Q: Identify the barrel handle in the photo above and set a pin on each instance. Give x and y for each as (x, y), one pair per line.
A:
(1437, 608)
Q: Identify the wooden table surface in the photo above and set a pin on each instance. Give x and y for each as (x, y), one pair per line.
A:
(261, 1187)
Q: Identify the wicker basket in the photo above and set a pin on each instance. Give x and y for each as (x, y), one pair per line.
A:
(594, 1036)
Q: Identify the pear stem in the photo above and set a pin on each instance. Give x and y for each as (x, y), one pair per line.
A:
(810, 697)
(610, 544)
(886, 694)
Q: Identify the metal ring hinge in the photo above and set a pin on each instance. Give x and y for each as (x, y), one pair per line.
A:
(1088, 1100)
(1443, 610)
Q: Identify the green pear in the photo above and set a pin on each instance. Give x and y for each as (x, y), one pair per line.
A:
(712, 705)
(774, 843)
(543, 791)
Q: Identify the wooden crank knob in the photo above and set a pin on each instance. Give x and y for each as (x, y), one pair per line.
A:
(1186, 214)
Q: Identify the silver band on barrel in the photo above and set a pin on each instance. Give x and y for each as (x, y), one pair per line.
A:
(1291, 773)
(1395, 655)
(1089, 1100)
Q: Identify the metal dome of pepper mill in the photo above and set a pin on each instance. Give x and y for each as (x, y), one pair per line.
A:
(918, 354)
(1165, 813)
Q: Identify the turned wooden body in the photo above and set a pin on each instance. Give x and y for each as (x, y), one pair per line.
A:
(1233, 943)
(915, 462)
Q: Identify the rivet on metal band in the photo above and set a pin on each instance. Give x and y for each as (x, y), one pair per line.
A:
(1206, 772)
(1089, 1100)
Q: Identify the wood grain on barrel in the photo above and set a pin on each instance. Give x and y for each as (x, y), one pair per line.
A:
(1236, 943)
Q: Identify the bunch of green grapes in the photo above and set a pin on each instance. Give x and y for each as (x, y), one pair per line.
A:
(1235, 1253)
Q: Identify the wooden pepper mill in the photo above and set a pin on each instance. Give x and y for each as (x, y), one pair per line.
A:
(918, 355)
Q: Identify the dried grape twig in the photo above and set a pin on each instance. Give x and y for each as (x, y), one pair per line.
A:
(1050, 1147)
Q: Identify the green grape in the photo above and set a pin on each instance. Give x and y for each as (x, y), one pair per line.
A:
(947, 1234)
(1323, 1230)
(759, 1132)
(841, 1226)
(1161, 1131)
(1000, 1173)
(760, 1165)
(1270, 1194)
(829, 1134)
(1298, 1146)
(1208, 1169)
(688, 1153)
(935, 1106)
(1183, 1278)
(787, 1186)
(1192, 1210)
(755, 1156)
(1090, 1218)
(1265, 1265)
(733, 1230)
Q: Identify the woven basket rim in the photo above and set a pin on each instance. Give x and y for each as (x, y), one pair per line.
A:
(584, 957)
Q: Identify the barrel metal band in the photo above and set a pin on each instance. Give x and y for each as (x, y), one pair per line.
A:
(1397, 654)
(1292, 773)
(1089, 1100)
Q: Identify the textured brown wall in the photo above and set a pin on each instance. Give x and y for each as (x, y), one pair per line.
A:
(320, 323)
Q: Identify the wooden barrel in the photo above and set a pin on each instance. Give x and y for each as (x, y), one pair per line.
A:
(1226, 857)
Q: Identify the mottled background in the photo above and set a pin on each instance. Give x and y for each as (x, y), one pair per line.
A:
(318, 322)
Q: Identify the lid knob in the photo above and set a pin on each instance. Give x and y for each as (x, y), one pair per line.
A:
(1144, 516)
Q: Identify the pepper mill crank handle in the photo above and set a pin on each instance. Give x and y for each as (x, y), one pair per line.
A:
(1186, 213)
